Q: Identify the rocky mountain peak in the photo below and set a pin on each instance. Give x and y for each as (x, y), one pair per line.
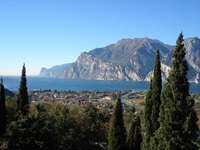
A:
(135, 41)
(194, 40)
(130, 59)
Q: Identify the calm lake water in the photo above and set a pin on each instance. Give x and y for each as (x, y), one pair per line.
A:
(45, 83)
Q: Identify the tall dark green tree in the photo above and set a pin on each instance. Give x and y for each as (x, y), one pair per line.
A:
(177, 117)
(134, 137)
(148, 109)
(116, 134)
(23, 93)
(3, 121)
(152, 102)
(147, 115)
(156, 92)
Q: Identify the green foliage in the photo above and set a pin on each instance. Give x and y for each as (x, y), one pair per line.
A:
(177, 117)
(134, 137)
(33, 131)
(90, 126)
(3, 121)
(66, 128)
(148, 109)
(104, 117)
(116, 134)
(23, 94)
(152, 102)
(156, 92)
(198, 139)
(11, 109)
(127, 120)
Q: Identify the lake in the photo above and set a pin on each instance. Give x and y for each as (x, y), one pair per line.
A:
(45, 83)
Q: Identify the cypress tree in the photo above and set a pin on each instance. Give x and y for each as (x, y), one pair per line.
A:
(148, 109)
(134, 137)
(3, 120)
(152, 102)
(23, 94)
(156, 92)
(116, 134)
(177, 117)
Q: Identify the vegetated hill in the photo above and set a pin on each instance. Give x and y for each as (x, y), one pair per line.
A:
(9, 93)
(57, 71)
(131, 59)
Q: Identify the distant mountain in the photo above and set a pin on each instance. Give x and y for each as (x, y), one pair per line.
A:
(130, 59)
(57, 71)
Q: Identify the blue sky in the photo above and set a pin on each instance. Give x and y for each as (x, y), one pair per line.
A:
(44, 33)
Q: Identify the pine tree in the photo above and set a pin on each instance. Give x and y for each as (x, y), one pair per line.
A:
(23, 94)
(152, 102)
(3, 121)
(134, 137)
(177, 117)
(116, 134)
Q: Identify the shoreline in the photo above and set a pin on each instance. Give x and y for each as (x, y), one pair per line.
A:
(35, 83)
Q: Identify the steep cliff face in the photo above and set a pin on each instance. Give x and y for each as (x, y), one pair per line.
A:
(90, 67)
(58, 71)
(130, 59)
(165, 72)
(192, 46)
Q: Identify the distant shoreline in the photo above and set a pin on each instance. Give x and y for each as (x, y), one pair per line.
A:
(48, 83)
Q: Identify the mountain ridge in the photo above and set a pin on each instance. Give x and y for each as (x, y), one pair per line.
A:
(131, 59)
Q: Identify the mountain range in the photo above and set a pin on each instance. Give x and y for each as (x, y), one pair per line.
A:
(128, 59)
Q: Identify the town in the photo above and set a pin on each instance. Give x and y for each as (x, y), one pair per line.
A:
(100, 99)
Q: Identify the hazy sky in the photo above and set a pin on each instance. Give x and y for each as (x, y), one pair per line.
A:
(44, 33)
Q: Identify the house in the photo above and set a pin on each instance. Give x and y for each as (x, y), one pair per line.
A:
(109, 97)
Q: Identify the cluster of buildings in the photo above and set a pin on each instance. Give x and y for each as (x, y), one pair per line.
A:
(95, 98)
(100, 99)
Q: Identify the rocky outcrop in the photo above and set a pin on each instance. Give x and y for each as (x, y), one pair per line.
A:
(197, 78)
(165, 73)
(192, 56)
(90, 67)
(58, 71)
